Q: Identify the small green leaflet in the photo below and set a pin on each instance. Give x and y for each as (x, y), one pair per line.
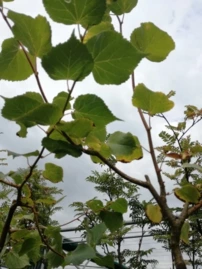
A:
(80, 254)
(53, 172)
(61, 99)
(29, 154)
(92, 107)
(152, 102)
(188, 193)
(114, 57)
(61, 148)
(97, 29)
(155, 43)
(13, 63)
(119, 7)
(95, 205)
(84, 12)
(35, 34)
(68, 61)
(153, 213)
(124, 146)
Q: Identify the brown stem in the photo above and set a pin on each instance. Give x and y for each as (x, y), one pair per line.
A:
(9, 184)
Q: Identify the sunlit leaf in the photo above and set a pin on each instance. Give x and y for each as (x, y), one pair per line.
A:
(114, 57)
(35, 34)
(68, 61)
(13, 62)
(188, 193)
(97, 29)
(153, 212)
(92, 107)
(152, 102)
(155, 43)
(53, 172)
(84, 12)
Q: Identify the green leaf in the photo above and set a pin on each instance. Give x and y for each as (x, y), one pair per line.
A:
(13, 62)
(80, 254)
(95, 234)
(104, 150)
(107, 261)
(13, 260)
(29, 154)
(152, 41)
(152, 102)
(70, 60)
(54, 260)
(46, 201)
(113, 220)
(119, 7)
(124, 146)
(29, 111)
(97, 29)
(78, 128)
(194, 166)
(184, 236)
(53, 172)
(93, 108)
(61, 99)
(84, 12)
(95, 205)
(120, 205)
(114, 57)
(31, 247)
(188, 193)
(153, 213)
(35, 34)
(61, 148)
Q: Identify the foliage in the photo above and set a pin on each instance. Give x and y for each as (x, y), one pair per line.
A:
(97, 49)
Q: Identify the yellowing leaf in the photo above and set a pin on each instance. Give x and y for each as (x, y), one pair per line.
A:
(188, 193)
(152, 102)
(153, 212)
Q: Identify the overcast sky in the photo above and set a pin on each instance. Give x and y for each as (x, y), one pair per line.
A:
(180, 72)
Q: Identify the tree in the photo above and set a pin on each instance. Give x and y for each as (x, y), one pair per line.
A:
(97, 49)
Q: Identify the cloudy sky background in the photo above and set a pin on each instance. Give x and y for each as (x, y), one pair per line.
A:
(180, 72)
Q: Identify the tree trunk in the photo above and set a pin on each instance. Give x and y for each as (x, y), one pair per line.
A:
(175, 248)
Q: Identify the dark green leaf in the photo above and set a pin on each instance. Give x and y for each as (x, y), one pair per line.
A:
(31, 247)
(107, 261)
(70, 60)
(61, 148)
(155, 43)
(35, 34)
(84, 12)
(93, 108)
(53, 172)
(13, 63)
(114, 57)
(80, 254)
(120, 205)
(113, 220)
(119, 7)
(152, 102)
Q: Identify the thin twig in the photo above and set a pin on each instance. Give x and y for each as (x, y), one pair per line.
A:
(67, 223)
(28, 58)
